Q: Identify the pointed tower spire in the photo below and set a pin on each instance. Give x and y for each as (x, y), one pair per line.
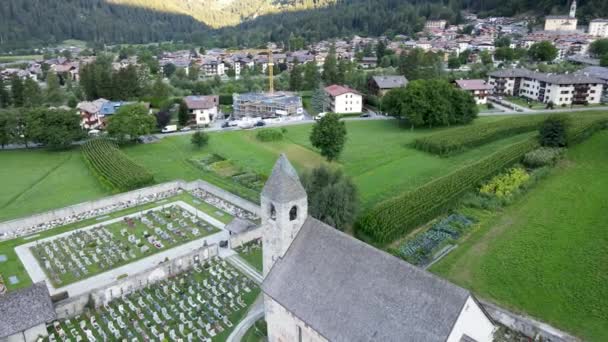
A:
(573, 9)
(283, 185)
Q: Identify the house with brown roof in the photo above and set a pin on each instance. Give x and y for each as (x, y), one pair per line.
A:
(202, 109)
(480, 89)
(344, 100)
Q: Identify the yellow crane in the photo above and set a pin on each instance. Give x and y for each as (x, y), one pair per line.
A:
(270, 71)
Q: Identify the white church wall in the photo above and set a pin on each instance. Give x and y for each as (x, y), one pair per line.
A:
(285, 327)
(473, 322)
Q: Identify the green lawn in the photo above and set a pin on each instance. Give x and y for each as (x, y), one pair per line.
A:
(253, 256)
(256, 332)
(17, 58)
(547, 254)
(526, 102)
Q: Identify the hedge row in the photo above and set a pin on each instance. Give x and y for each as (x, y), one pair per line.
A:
(113, 167)
(458, 139)
(395, 217)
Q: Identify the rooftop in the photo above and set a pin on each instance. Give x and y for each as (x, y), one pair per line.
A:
(347, 290)
(201, 102)
(337, 90)
(283, 185)
(473, 85)
(26, 308)
(390, 82)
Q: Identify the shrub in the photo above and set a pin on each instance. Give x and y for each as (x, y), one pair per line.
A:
(552, 132)
(394, 217)
(505, 184)
(543, 156)
(267, 135)
(113, 167)
(225, 99)
(458, 139)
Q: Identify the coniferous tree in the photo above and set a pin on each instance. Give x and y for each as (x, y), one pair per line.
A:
(31, 93)
(330, 67)
(5, 96)
(17, 89)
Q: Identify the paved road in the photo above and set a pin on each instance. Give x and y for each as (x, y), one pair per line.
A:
(255, 313)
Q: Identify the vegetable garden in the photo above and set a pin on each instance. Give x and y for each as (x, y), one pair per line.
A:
(113, 167)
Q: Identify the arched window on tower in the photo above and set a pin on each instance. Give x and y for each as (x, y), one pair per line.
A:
(273, 212)
(293, 213)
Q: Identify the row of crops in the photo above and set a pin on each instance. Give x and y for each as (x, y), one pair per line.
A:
(421, 249)
(459, 139)
(395, 217)
(114, 168)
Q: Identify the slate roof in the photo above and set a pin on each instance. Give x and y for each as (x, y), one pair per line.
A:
(24, 309)
(574, 78)
(283, 185)
(595, 71)
(347, 290)
(390, 82)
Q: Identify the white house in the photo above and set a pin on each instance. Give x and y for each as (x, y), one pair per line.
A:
(598, 28)
(202, 109)
(323, 285)
(343, 100)
(479, 89)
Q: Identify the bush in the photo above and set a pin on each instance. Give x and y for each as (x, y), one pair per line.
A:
(113, 167)
(505, 184)
(225, 99)
(552, 132)
(458, 139)
(543, 156)
(397, 216)
(267, 135)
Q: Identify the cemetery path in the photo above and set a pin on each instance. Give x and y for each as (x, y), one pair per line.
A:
(244, 267)
(255, 313)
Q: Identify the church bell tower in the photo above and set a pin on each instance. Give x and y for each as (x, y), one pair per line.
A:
(284, 206)
(573, 9)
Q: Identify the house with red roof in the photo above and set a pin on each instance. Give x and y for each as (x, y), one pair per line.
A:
(343, 100)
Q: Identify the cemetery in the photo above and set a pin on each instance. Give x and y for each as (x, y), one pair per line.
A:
(203, 304)
(81, 253)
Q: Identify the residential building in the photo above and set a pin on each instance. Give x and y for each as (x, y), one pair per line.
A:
(323, 285)
(479, 89)
(202, 109)
(266, 105)
(600, 73)
(435, 24)
(90, 113)
(560, 89)
(25, 314)
(368, 62)
(380, 85)
(598, 28)
(212, 67)
(344, 100)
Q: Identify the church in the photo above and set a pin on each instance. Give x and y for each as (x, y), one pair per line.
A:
(323, 285)
(562, 23)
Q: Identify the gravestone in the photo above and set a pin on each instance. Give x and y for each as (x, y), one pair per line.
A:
(13, 280)
(3, 258)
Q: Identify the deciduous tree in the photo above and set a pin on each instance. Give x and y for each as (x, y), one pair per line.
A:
(130, 122)
(329, 136)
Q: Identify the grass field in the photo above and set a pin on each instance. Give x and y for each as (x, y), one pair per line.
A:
(547, 254)
(376, 155)
(10, 59)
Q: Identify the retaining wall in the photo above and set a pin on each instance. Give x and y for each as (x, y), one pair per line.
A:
(103, 295)
(250, 235)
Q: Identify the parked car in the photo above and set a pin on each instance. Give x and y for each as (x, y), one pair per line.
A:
(320, 115)
(365, 115)
(169, 129)
(260, 124)
(186, 129)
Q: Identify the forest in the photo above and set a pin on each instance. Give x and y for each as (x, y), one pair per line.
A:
(32, 23)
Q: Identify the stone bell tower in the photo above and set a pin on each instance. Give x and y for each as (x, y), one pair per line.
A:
(284, 209)
(573, 9)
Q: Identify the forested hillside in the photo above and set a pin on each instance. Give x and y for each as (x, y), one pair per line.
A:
(34, 22)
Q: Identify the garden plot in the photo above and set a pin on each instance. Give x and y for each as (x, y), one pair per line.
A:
(82, 253)
(204, 304)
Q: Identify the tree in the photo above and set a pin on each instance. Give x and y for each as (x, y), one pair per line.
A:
(169, 70)
(18, 98)
(332, 196)
(486, 57)
(8, 128)
(504, 54)
(199, 139)
(330, 67)
(31, 93)
(163, 118)
(453, 61)
(130, 122)
(329, 135)
(183, 114)
(418, 64)
(53, 89)
(599, 47)
(552, 132)
(57, 129)
(295, 77)
(604, 60)
(311, 76)
(5, 96)
(380, 49)
(543, 51)
(193, 73)
(502, 42)
(160, 91)
(319, 99)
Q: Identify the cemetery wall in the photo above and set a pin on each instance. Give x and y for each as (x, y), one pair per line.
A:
(103, 295)
(228, 196)
(34, 223)
(57, 214)
(250, 235)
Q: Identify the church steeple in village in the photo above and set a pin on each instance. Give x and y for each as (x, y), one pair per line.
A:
(284, 206)
(573, 9)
